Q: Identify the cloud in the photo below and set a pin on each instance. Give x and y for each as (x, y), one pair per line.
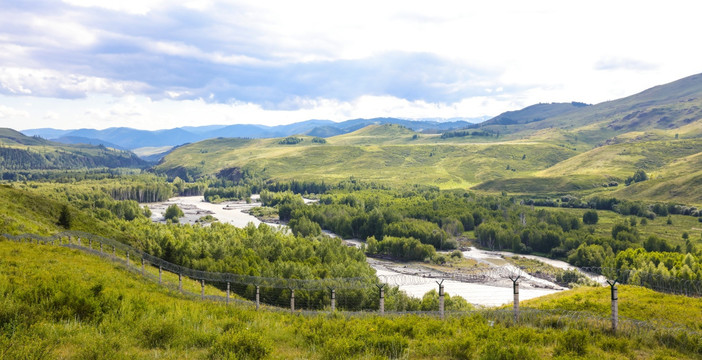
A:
(50, 83)
(7, 112)
(624, 64)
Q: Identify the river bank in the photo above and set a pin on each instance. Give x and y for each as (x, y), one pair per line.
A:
(413, 278)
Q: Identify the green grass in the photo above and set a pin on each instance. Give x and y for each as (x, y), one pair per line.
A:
(385, 154)
(658, 226)
(634, 303)
(60, 303)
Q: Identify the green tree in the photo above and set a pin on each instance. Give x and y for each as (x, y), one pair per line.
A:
(65, 218)
(173, 213)
(590, 217)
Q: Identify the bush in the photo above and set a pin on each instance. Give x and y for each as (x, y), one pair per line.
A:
(159, 334)
(65, 219)
(240, 345)
(573, 341)
(590, 217)
(173, 213)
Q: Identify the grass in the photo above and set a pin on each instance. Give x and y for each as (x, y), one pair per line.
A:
(634, 303)
(385, 154)
(61, 303)
(658, 226)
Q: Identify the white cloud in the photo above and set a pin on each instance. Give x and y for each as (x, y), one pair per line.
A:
(51, 83)
(284, 61)
(8, 113)
(136, 7)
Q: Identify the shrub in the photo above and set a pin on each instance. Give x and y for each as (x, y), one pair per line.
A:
(240, 345)
(159, 333)
(173, 213)
(65, 219)
(590, 217)
(573, 341)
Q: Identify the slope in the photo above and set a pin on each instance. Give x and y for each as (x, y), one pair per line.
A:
(387, 153)
(61, 303)
(21, 153)
(664, 107)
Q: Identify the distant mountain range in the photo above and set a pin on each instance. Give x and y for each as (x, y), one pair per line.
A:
(128, 138)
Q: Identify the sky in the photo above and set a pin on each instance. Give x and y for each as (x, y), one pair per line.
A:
(155, 64)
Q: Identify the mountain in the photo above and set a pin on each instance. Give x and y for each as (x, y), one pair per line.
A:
(128, 138)
(533, 113)
(547, 149)
(21, 153)
(656, 110)
(84, 140)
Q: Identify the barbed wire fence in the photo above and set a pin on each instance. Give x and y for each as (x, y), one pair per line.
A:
(354, 296)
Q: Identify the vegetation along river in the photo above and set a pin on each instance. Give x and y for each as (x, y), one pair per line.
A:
(414, 279)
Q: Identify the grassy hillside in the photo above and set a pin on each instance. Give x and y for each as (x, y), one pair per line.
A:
(546, 149)
(96, 309)
(663, 107)
(21, 153)
(384, 153)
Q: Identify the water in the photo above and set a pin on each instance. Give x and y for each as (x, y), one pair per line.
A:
(494, 292)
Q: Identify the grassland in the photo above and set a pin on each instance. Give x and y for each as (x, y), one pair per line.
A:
(60, 303)
(548, 161)
(381, 153)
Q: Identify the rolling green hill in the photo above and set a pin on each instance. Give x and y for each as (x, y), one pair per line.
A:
(62, 303)
(542, 149)
(382, 153)
(661, 108)
(19, 153)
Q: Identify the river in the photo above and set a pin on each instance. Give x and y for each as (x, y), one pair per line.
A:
(490, 292)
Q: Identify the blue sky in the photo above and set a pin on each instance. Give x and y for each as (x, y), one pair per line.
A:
(154, 64)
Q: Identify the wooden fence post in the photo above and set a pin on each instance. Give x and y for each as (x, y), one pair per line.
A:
(202, 289)
(180, 282)
(516, 301)
(258, 299)
(441, 298)
(515, 290)
(333, 300)
(127, 257)
(381, 305)
(142, 267)
(160, 274)
(228, 287)
(292, 300)
(615, 305)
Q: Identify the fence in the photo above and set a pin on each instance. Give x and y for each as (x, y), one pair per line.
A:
(346, 294)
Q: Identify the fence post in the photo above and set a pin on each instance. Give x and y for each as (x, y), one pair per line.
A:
(100, 248)
(292, 300)
(160, 273)
(90, 243)
(228, 287)
(333, 300)
(381, 305)
(180, 282)
(114, 251)
(127, 257)
(142, 267)
(515, 288)
(516, 302)
(615, 306)
(202, 289)
(258, 303)
(441, 298)
(79, 242)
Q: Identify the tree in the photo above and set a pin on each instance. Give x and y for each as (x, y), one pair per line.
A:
(65, 219)
(590, 217)
(173, 213)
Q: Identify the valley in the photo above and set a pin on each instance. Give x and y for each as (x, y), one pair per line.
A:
(562, 197)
